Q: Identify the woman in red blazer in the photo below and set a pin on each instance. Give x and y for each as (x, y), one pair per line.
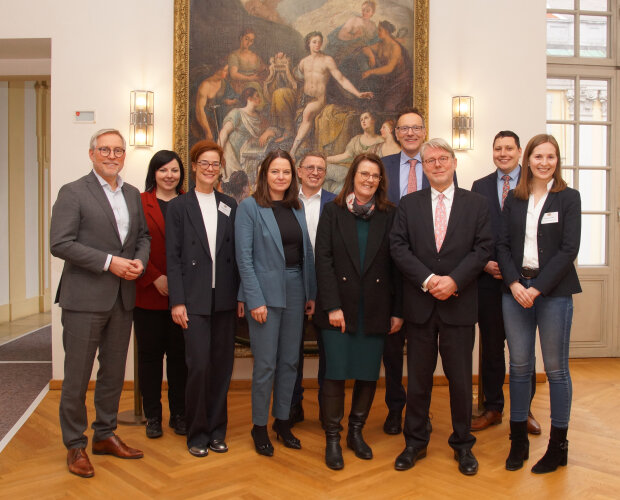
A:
(155, 331)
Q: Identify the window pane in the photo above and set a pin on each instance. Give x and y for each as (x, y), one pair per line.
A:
(561, 4)
(593, 36)
(564, 134)
(568, 175)
(593, 5)
(592, 248)
(560, 34)
(593, 189)
(593, 145)
(560, 99)
(593, 100)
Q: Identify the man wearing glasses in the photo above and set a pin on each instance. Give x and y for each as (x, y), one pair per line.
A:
(98, 229)
(311, 171)
(405, 175)
(441, 240)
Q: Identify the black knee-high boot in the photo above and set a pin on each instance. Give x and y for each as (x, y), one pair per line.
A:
(363, 395)
(520, 447)
(333, 411)
(556, 454)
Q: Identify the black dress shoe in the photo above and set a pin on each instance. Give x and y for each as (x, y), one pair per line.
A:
(283, 428)
(468, 464)
(177, 422)
(296, 414)
(409, 457)
(153, 428)
(262, 444)
(218, 446)
(393, 422)
(199, 451)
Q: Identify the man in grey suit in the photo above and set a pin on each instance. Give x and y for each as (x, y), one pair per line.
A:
(98, 229)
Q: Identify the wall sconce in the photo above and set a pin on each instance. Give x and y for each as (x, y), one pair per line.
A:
(141, 118)
(463, 122)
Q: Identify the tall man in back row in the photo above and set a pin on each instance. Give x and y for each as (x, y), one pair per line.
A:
(495, 187)
(405, 175)
(98, 229)
(440, 241)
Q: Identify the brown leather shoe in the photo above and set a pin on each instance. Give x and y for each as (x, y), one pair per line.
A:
(78, 463)
(533, 427)
(489, 417)
(114, 446)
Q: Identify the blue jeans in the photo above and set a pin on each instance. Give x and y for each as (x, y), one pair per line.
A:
(553, 316)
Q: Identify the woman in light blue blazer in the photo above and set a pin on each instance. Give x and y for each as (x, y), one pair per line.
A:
(278, 283)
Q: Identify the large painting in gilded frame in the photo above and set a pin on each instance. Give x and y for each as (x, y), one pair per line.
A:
(298, 75)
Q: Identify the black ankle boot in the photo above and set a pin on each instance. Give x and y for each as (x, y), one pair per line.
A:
(261, 440)
(363, 394)
(283, 428)
(520, 446)
(556, 454)
(333, 411)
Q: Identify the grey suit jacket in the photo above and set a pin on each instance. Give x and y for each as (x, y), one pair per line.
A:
(83, 232)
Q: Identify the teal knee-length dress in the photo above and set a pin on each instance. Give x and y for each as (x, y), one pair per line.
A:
(354, 355)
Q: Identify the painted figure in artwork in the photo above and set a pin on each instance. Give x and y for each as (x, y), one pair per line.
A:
(213, 93)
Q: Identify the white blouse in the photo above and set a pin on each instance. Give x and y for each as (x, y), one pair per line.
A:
(530, 249)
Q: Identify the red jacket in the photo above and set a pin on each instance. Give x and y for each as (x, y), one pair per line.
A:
(147, 296)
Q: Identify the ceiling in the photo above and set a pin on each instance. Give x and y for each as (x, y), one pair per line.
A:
(25, 48)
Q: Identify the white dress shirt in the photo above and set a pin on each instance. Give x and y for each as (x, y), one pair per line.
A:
(119, 207)
(312, 206)
(447, 201)
(530, 248)
(208, 208)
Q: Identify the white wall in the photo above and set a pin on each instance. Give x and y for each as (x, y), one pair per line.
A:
(494, 51)
(31, 191)
(4, 192)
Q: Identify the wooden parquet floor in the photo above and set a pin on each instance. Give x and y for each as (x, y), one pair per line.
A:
(33, 463)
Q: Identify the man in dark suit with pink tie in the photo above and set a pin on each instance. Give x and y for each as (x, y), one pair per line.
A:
(440, 241)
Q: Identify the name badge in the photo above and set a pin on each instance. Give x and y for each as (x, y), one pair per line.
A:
(549, 218)
(225, 209)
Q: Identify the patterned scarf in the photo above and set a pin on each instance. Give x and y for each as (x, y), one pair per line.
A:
(363, 211)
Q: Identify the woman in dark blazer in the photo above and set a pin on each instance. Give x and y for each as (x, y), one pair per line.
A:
(538, 245)
(359, 299)
(156, 333)
(203, 283)
(278, 283)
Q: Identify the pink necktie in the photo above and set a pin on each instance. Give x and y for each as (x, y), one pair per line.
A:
(441, 223)
(412, 182)
(505, 188)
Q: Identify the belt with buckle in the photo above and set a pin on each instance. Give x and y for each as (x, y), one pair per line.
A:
(529, 273)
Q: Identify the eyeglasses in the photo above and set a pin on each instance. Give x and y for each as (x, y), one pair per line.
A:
(404, 129)
(367, 175)
(205, 164)
(105, 152)
(443, 160)
(314, 168)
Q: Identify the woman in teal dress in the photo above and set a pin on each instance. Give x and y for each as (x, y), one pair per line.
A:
(359, 299)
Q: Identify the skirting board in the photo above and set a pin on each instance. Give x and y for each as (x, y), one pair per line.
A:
(309, 383)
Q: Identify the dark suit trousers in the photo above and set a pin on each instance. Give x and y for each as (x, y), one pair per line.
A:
(455, 344)
(298, 391)
(492, 339)
(159, 336)
(84, 333)
(209, 355)
(395, 395)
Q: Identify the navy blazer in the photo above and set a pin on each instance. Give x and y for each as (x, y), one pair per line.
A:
(260, 256)
(487, 187)
(558, 243)
(190, 267)
(326, 197)
(464, 253)
(392, 170)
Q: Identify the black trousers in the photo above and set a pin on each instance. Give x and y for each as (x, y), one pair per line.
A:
(298, 391)
(209, 354)
(395, 395)
(455, 344)
(159, 336)
(492, 341)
